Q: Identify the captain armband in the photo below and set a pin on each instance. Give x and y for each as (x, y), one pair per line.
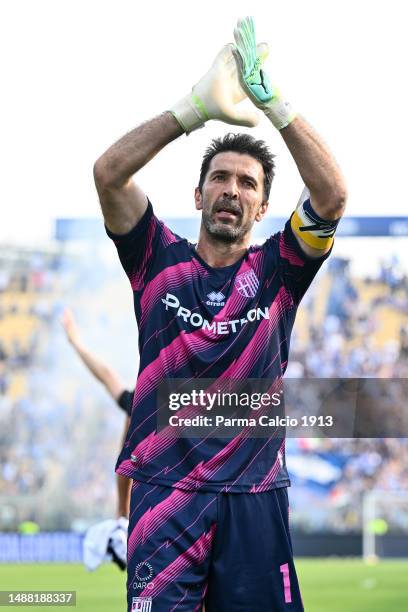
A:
(312, 229)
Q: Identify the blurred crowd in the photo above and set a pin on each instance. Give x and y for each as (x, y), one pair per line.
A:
(331, 476)
(362, 330)
(363, 333)
(59, 431)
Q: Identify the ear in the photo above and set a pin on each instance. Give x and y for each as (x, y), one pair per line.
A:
(262, 211)
(198, 199)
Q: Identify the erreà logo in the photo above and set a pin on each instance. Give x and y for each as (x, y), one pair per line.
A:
(215, 298)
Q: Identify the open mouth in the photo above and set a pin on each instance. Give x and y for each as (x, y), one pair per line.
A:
(227, 213)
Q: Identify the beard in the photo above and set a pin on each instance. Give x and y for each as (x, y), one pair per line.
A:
(227, 232)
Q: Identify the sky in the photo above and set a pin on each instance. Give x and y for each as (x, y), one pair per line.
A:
(77, 75)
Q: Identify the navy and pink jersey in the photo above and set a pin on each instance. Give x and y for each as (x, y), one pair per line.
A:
(196, 321)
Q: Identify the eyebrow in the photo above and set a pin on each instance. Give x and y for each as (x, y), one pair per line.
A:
(243, 176)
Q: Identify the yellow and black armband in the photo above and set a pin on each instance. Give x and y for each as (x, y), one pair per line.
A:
(312, 229)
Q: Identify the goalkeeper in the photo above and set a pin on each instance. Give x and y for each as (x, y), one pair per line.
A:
(209, 518)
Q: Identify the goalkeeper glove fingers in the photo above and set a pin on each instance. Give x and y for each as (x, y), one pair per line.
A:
(106, 541)
(117, 544)
(254, 79)
(215, 96)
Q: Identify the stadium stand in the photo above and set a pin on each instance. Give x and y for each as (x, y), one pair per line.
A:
(59, 434)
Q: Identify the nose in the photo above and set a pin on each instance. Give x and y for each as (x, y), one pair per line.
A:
(231, 189)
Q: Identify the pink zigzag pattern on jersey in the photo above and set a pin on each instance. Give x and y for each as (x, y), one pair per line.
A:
(167, 280)
(141, 500)
(256, 260)
(271, 475)
(288, 253)
(228, 487)
(200, 339)
(135, 485)
(246, 431)
(186, 592)
(155, 444)
(194, 555)
(126, 468)
(160, 446)
(199, 607)
(233, 305)
(217, 461)
(191, 343)
(172, 357)
(166, 544)
(202, 472)
(236, 301)
(167, 237)
(137, 276)
(176, 354)
(229, 312)
(186, 412)
(153, 518)
(240, 368)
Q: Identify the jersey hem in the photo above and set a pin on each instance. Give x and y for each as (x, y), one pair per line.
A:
(207, 487)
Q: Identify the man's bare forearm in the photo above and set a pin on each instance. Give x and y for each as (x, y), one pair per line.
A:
(123, 484)
(317, 168)
(99, 369)
(134, 150)
(123, 202)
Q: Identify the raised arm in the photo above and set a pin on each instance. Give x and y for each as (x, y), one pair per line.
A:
(215, 96)
(317, 167)
(325, 186)
(122, 200)
(323, 200)
(98, 368)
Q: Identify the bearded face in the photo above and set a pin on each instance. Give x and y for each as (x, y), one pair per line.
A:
(232, 197)
(224, 220)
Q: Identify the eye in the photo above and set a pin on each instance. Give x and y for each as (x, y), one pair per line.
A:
(218, 177)
(249, 184)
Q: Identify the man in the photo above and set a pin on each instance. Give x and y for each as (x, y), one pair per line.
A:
(116, 389)
(105, 540)
(209, 520)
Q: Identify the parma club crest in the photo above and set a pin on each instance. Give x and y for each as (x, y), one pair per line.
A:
(247, 284)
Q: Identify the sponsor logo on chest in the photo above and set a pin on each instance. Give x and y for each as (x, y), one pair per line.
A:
(216, 327)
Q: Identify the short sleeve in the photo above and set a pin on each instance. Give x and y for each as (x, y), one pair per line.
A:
(125, 401)
(297, 269)
(138, 248)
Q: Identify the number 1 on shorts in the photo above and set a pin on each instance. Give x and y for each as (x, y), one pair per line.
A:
(286, 582)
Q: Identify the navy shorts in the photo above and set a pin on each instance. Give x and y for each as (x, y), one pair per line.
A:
(231, 551)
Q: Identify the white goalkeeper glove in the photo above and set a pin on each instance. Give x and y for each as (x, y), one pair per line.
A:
(106, 541)
(254, 80)
(215, 96)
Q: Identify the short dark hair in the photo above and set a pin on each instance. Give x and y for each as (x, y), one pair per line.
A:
(246, 145)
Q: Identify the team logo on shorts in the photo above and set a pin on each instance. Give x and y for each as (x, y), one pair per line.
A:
(144, 571)
(141, 604)
(247, 284)
(143, 576)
